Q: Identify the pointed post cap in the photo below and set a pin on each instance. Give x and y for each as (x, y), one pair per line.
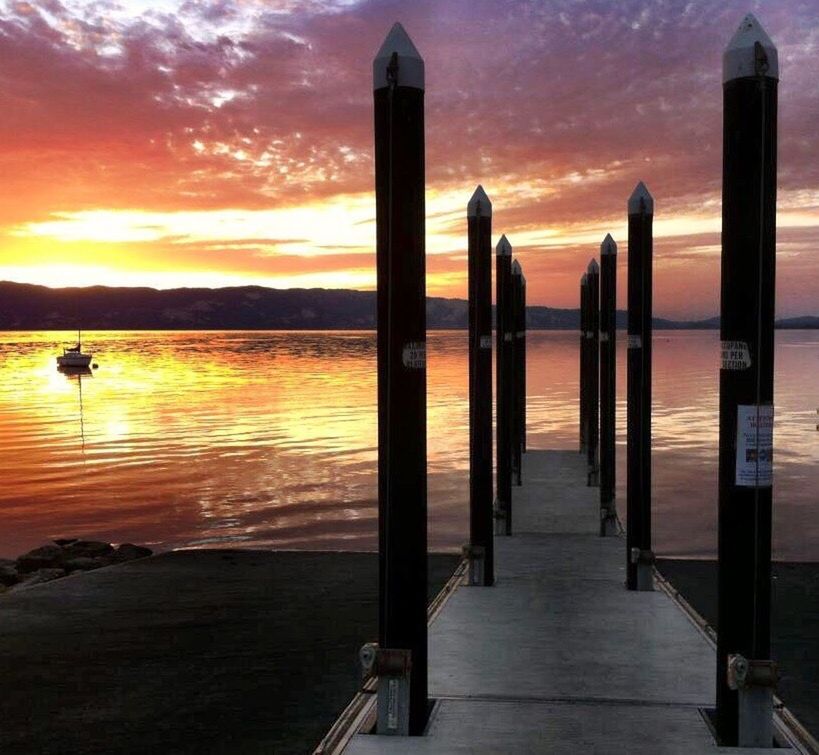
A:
(410, 70)
(593, 268)
(609, 246)
(504, 248)
(516, 269)
(750, 53)
(640, 201)
(479, 205)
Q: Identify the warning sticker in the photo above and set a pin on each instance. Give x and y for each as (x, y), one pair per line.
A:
(392, 703)
(735, 355)
(604, 337)
(507, 336)
(635, 342)
(754, 446)
(414, 355)
(486, 342)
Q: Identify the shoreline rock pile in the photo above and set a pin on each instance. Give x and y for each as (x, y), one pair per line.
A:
(63, 557)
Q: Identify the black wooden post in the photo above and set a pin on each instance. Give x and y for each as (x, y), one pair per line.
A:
(745, 674)
(638, 515)
(517, 359)
(398, 83)
(583, 386)
(503, 402)
(608, 384)
(593, 338)
(479, 223)
(522, 348)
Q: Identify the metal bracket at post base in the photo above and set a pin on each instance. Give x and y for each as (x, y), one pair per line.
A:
(391, 667)
(644, 559)
(475, 556)
(499, 517)
(608, 520)
(754, 682)
(593, 477)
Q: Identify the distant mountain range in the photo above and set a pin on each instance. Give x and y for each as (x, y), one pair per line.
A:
(29, 307)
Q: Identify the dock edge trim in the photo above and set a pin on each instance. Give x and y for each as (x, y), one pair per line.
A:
(362, 706)
(789, 730)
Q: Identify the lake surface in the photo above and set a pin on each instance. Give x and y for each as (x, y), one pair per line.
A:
(269, 438)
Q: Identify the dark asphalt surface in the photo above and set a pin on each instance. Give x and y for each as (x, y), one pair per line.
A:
(208, 651)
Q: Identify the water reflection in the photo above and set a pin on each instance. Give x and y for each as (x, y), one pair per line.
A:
(77, 374)
(270, 438)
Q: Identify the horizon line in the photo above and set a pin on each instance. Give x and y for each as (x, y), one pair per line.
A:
(655, 316)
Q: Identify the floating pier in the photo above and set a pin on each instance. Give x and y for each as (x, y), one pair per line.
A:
(558, 656)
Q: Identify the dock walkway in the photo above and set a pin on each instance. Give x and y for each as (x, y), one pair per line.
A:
(558, 656)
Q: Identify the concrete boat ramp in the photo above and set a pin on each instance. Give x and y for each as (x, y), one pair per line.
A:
(558, 657)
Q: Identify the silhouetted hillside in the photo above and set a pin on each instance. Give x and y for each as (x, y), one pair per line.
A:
(28, 307)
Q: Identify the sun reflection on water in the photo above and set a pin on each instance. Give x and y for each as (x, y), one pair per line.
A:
(269, 439)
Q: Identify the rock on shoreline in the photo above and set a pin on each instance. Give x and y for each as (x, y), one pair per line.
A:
(63, 557)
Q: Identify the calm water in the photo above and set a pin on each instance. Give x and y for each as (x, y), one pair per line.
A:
(269, 439)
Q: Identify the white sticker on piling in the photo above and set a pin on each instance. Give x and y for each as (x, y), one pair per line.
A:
(754, 446)
(414, 355)
(604, 337)
(486, 342)
(735, 355)
(635, 342)
(392, 703)
(507, 336)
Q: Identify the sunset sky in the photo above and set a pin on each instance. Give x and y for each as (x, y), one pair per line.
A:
(181, 143)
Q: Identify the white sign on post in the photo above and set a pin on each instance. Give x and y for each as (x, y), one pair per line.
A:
(735, 355)
(754, 446)
(414, 355)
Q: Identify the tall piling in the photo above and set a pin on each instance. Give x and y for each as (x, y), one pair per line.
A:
(504, 368)
(608, 384)
(583, 383)
(639, 557)
(398, 84)
(745, 674)
(517, 367)
(522, 371)
(479, 228)
(593, 338)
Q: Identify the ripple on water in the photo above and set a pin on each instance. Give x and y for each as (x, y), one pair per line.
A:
(270, 439)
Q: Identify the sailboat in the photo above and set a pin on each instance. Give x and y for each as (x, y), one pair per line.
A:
(73, 357)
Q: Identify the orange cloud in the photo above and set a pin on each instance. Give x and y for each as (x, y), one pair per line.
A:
(226, 142)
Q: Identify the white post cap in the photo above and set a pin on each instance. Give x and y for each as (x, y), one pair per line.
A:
(479, 205)
(516, 270)
(593, 268)
(742, 57)
(410, 63)
(608, 246)
(640, 201)
(504, 248)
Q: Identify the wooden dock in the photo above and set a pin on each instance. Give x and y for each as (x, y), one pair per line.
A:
(558, 656)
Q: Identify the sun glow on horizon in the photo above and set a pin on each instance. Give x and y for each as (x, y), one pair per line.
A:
(237, 247)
